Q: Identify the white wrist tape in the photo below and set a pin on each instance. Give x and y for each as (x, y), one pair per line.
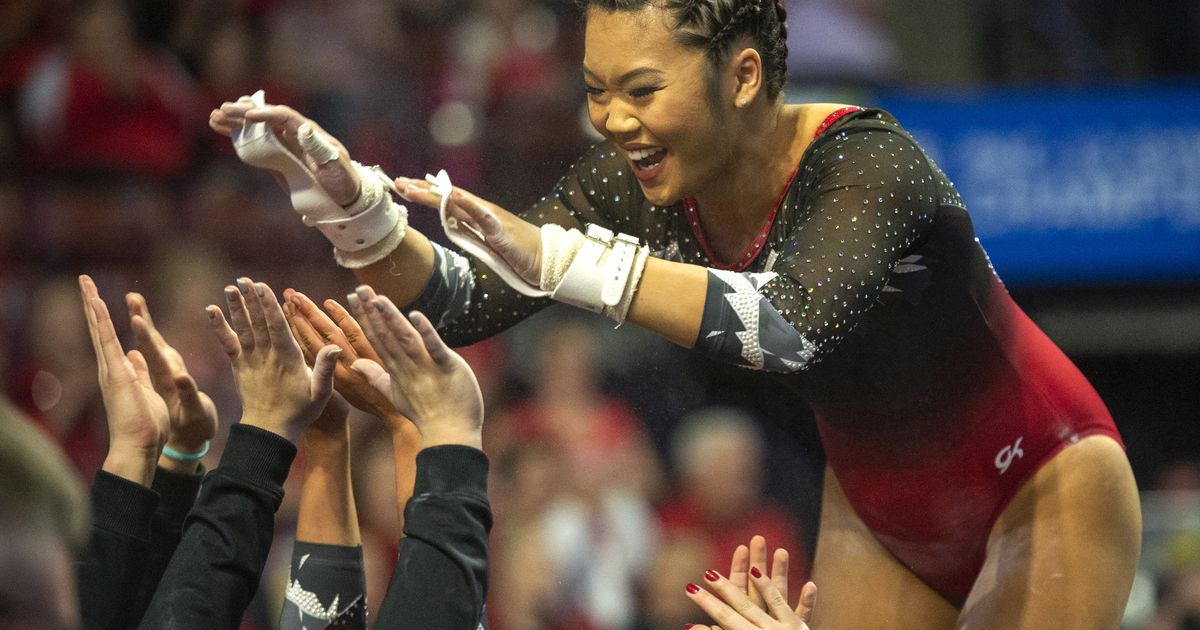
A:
(598, 271)
(370, 221)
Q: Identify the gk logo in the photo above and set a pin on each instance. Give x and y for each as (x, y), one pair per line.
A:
(1005, 457)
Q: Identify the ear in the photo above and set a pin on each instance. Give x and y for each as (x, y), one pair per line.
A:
(748, 72)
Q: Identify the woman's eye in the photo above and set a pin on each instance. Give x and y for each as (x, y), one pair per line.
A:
(641, 93)
(592, 91)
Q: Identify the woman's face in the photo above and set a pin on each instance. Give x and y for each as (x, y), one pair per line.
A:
(648, 95)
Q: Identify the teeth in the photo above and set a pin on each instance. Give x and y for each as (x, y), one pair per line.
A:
(641, 154)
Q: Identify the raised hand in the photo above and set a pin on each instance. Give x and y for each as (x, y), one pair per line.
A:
(516, 241)
(321, 152)
(193, 416)
(279, 392)
(425, 379)
(137, 415)
(314, 328)
(730, 607)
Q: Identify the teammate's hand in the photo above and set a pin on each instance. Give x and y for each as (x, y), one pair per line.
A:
(279, 392)
(137, 415)
(425, 379)
(730, 607)
(193, 414)
(338, 177)
(314, 329)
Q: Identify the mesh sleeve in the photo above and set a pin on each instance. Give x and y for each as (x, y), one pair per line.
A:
(871, 195)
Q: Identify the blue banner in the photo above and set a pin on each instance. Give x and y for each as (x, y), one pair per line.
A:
(1071, 185)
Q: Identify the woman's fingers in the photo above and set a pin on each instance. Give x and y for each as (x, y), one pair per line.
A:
(254, 312)
(277, 326)
(87, 293)
(320, 324)
(376, 376)
(727, 604)
(239, 319)
(775, 601)
(309, 339)
(779, 571)
(758, 561)
(225, 335)
(434, 345)
(418, 191)
(739, 567)
(138, 361)
(808, 601)
(352, 332)
(321, 386)
(410, 340)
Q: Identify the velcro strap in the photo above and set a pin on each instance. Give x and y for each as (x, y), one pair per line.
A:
(366, 228)
(584, 281)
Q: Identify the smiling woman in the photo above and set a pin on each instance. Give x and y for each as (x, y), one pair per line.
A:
(975, 478)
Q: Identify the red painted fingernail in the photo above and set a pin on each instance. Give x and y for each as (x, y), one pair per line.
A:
(755, 572)
(711, 576)
(687, 626)
(693, 589)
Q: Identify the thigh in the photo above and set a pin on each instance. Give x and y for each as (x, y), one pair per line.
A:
(860, 584)
(1064, 551)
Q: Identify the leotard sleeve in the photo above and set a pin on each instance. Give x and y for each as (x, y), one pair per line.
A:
(467, 302)
(860, 203)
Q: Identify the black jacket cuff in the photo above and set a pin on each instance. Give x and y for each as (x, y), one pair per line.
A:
(257, 456)
(122, 506)
(177, 491)
(451, 468)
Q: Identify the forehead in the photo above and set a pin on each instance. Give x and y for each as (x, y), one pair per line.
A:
(616, 41)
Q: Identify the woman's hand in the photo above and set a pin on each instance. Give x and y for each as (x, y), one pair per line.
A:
(425, 379)
(193, 416)
(755, 591)
(516, 241)
(137, 415)
(732, 609)
(337, 176)
(314, 328)
(279, 392)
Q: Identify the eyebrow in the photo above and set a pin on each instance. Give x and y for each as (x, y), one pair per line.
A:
(628, 76)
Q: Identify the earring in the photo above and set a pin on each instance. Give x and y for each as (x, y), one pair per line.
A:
(742, 103)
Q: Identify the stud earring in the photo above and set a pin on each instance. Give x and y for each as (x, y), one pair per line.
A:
(742, 103)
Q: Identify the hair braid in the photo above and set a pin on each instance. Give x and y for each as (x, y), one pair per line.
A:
(748, 8)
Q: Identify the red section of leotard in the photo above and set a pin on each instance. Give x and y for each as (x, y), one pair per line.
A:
(691, 211)
(931, 497)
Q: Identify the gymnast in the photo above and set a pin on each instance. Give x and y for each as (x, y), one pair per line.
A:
(975, 478)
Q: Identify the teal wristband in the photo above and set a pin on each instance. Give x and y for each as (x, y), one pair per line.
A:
(185, 457)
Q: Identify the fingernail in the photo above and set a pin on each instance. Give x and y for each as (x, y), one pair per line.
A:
(693, 589)
(352, 300)
(244, 285)
(383, 310)
(755, 572)
(711, 575)
(261, 288)
(810, 599)
(335, 353)
(363, 293)
(212, 312)
(687, 626)
(231, 292)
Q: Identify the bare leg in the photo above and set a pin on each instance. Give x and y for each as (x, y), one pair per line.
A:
(1063, 553)
(861, 584)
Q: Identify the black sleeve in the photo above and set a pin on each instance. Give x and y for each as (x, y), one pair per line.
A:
(869, 196)
(177, 493)
(215, 570)
(598, 189)
(111, 568)
(440, 579)
(326, 589)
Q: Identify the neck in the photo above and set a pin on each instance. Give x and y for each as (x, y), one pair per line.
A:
(763, 154)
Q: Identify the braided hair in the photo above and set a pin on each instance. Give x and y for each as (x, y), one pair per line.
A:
(715, 26)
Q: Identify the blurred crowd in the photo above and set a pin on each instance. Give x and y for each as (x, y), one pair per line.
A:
(600, 479)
